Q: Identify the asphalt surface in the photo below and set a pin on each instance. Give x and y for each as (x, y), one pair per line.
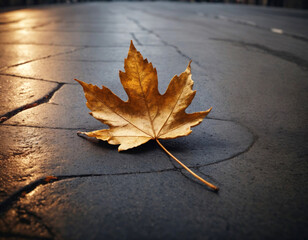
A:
(248, 63)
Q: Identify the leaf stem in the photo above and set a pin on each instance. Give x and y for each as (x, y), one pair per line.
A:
(184, 166)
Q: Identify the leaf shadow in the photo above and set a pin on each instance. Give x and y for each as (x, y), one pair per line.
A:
(144, 148)
(147, 147)
(182, 145)
(179, 145)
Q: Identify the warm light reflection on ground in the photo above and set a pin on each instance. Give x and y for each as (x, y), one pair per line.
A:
(20, 14)
(25, 52)
(20, 93)
(24, 88)
(27, 69)
(22, 33)
(33, 192)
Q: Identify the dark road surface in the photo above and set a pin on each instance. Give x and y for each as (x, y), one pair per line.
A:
(250, 64)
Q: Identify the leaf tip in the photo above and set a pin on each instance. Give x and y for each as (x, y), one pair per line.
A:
(188, 69)
(79, 134)
(132, 47)
(121, 149)
(80, 82)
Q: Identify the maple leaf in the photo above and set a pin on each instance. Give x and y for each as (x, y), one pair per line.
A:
(147, 114)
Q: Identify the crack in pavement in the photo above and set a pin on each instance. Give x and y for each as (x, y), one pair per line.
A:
(23, 29)
(176, 48)
(27, 28)
(44, 127)
(41, 58)
(255, 138)
(46, 24)
(8, 202)
(44, 99)
(219, 17)
(135, 39)
(280, 54)
(36, 79)
(91, 61)
(253, 24)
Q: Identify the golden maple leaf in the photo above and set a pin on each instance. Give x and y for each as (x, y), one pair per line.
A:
(147, 114)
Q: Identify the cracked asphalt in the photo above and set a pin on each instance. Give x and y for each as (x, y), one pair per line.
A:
(248, 63)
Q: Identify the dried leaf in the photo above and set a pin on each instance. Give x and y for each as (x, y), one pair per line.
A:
(147, 114)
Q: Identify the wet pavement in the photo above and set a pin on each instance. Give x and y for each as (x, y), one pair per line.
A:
(249, 64)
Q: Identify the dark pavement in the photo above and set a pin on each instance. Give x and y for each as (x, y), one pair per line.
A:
(248, 63)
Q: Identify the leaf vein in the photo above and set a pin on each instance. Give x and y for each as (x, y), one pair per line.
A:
(171, 111)
(144, 98)
(102, 101)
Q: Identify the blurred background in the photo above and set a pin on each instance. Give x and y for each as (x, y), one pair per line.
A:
(303, 4)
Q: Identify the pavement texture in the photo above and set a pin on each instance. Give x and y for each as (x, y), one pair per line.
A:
(250, 64)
